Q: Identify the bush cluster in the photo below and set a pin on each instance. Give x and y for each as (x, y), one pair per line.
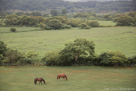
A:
(79, 52)
(105, 59)
(23, 20)
(11, 57)
(49, 23)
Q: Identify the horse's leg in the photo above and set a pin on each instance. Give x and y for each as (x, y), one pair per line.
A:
(58, 77)
(35, 82)
(41, 82)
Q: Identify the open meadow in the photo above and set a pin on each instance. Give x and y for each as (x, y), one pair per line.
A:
(27, 39)
(80, 78)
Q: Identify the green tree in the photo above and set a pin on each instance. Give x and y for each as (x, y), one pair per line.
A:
(12, 19)
(64, 12)
(124, 20)
(74, 22)
(55, 24)
(54, 13)
(80, 48)
(3, 48)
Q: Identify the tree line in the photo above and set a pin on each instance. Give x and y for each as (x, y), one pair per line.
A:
(82, 20)
(78, 52)
(46, 5)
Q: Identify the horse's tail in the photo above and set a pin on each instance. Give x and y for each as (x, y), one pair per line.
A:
(44, 81)
(66, 77)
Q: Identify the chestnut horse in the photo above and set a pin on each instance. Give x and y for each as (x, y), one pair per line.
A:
(61, 76)
(40, 80)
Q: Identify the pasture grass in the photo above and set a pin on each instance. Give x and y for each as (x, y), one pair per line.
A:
(18, 29)
(107, 23)
(121, 39)
(80, 78)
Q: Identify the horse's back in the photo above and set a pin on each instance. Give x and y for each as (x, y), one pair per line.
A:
(61, 75)
(35, 78)
(38, 79)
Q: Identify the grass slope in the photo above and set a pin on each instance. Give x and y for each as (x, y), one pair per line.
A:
(80, 78)
(106, 39)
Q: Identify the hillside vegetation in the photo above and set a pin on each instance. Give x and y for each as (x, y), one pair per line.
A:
(46, 5)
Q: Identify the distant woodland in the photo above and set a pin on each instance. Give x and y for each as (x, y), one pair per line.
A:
(71, 7)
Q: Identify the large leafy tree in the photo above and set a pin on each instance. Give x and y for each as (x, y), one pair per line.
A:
(80, 48)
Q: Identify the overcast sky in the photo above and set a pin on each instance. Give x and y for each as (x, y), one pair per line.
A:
(96, 0)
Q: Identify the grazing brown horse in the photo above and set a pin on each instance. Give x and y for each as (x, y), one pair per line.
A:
(61, 76)
(40, 80)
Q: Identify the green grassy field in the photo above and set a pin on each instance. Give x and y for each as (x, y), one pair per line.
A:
(80, 78)
(121, 39)
(107, 23)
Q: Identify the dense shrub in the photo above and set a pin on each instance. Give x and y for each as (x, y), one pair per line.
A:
(13, 56)
(84, 26)
(92, 23)
(23, 20)
(124, 20)
(131, 61)
(13, 29)
(12, 20)
(3, 48)
(51, 58)
(65, 26)
(73, 22)
(55, 24)
(113, 59)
